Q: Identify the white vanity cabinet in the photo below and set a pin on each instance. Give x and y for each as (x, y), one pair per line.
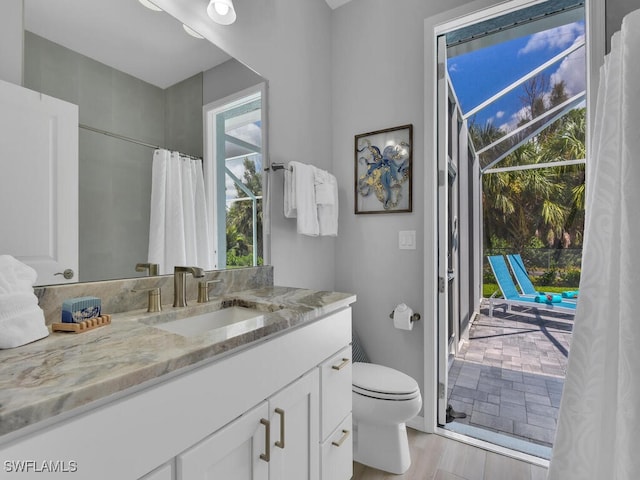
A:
(216, 420)
(236, 452)
(277, 440)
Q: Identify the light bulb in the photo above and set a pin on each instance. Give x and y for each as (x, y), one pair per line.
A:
(221, 8)
(222, 11)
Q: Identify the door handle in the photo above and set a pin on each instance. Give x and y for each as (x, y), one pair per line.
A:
(67, 274)
(340, 366)
(280, 443)
(345, 435)
(266, 456)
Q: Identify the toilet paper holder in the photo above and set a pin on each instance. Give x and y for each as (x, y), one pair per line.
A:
(414, 318)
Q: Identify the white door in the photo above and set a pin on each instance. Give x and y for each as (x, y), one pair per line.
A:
(238, 451)
(39, 182)
(295, 447)
(443, 229)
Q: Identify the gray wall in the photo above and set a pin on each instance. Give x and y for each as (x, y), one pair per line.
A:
(11, 15)
(377, 77)
(183, 116)
(226, 79)
(288, 42)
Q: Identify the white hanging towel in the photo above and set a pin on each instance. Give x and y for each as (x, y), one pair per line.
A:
(289, 193)
(326, 189)
(21, 319)
(305, 199)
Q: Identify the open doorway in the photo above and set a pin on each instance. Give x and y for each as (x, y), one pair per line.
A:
(511, 113)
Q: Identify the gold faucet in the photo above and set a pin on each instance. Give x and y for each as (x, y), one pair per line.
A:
(203, 290)
(155, 298)
(180, 283)
(152, 267)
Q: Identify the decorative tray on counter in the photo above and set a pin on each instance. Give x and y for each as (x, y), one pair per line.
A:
(83, 326)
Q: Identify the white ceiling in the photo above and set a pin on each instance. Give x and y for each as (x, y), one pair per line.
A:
(151, 46)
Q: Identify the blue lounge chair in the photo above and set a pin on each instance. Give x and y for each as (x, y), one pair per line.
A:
(510, 293)
(522, 277)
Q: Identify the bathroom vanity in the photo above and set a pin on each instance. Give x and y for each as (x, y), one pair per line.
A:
(133, 401)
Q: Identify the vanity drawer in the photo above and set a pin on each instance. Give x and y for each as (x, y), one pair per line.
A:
(336, 453)
(335, 387)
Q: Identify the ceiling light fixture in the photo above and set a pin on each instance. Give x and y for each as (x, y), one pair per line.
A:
(192, 32)
(150, 5)
(222, 11)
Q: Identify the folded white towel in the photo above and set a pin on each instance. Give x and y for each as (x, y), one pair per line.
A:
(21, 319)
(305, 195)
(328, 207)
(289, 193)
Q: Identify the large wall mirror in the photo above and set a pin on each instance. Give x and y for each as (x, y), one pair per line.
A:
(141, 80)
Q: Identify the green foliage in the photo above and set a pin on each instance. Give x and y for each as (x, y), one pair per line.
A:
(570, 277)
(239, 232)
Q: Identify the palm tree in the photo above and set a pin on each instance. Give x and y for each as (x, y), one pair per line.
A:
(240, 216)
(545, 203)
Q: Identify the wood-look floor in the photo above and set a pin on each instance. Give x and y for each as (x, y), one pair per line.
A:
(435, 457)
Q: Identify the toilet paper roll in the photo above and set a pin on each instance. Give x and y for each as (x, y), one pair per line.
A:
(402, 317)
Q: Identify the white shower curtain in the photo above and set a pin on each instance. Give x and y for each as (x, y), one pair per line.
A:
(599, 422)
(179, 226)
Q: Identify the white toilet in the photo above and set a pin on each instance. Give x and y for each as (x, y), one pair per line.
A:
(383, 400)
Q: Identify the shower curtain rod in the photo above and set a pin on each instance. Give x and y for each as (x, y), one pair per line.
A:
(129, 139)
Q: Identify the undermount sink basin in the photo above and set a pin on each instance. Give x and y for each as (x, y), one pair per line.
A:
(230, 322)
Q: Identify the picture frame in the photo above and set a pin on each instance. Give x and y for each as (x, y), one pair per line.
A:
(383, 171)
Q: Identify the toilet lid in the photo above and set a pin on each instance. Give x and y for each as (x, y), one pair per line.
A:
(383, 382)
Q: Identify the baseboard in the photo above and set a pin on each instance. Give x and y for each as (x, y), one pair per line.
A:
(417, 423)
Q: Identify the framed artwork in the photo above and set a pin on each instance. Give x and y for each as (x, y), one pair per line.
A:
(383, 161)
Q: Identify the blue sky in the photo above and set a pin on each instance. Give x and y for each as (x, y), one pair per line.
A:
(478, 75)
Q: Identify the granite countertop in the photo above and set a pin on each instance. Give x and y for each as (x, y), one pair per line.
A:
(65, 371)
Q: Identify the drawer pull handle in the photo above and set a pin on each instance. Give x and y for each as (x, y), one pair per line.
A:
(266, 456)
(280, 443)
(344, 363)
(345, 435)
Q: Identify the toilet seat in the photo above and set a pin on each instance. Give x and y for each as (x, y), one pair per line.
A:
(383, 383)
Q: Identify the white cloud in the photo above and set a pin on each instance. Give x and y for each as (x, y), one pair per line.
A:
(572, 71)
(453, 67)
(559, 37)
(500, 114)
(512, 124)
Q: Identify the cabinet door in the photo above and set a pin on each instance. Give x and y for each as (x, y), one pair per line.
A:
(335, 387)
(295, 430)
(236, 452)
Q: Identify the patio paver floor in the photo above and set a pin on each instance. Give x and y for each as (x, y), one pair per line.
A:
(508, 376)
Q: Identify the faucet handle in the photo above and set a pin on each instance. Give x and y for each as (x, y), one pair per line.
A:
(152, 267)
(203, 290)
(155, 298)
